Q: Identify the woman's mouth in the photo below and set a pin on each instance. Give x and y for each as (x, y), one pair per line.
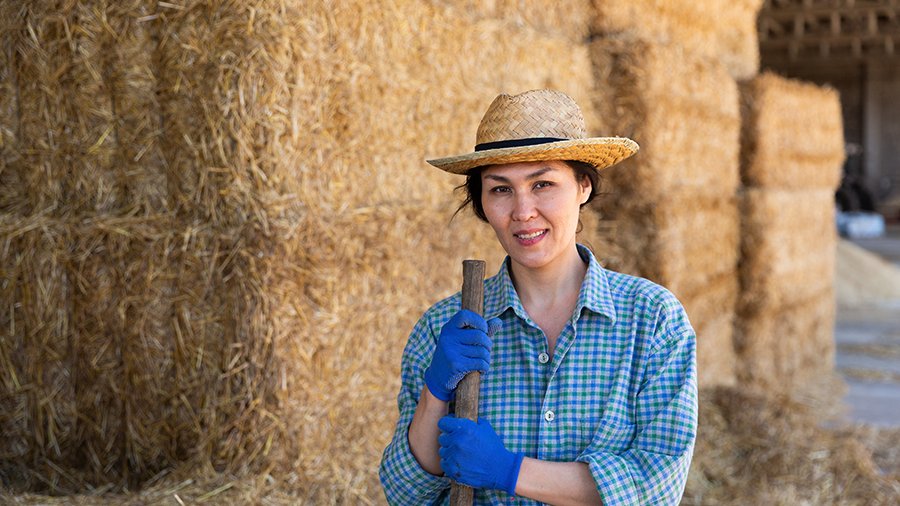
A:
(529, 237)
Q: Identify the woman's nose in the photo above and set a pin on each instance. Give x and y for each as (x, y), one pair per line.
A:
(524, 208)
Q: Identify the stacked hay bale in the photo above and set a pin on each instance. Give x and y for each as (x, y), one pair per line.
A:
(217, 229)
(387, 251)
(136, 246)
(791, 160)
(719, 30)
(671, 213)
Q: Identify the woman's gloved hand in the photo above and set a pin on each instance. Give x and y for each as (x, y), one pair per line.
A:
(463, 346)
(474, 455)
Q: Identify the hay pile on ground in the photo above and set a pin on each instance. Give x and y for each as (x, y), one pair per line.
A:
(719, 30)
(755, 448)
(784, 329)
(670, 210)
(862, 277)
(228, 278)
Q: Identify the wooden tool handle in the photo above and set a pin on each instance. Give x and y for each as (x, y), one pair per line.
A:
(469, 387)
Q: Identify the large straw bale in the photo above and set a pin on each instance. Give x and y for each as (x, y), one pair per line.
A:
(669, 213)
(166, 349)
(37, 406)
(683, 242)
(250, 312)
(89, 144)
(392, 254)
(151, 340)
(788, 245)
(781, 347)
(566, 18)
(711, 312)
(690, 245)
(9, 112)
(685, 117)
(720, 30)
(774, 153)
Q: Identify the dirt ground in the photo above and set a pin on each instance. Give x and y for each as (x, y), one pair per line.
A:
(868, 348)
(868, 359)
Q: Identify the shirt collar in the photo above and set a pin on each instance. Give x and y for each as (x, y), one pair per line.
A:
(500, 293)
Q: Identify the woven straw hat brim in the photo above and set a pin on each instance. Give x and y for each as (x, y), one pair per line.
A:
(600, 152)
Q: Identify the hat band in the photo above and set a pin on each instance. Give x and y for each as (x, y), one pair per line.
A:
(515, 143)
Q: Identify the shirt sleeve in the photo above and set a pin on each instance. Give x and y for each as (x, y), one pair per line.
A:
(647, 462)
(403, 479)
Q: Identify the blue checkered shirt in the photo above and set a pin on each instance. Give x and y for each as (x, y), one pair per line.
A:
(620, 392)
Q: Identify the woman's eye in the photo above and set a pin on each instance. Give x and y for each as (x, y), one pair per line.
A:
(499, 189)
(542, 184)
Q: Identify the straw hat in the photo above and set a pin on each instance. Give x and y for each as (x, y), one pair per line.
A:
(533, 126)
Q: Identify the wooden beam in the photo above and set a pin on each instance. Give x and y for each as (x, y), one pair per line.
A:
(843, 39)
(798, 26)
(851, 11)
(782, 61)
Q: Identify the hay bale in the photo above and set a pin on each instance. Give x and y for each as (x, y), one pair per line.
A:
(391, 254)
(717, 30)
(780, 348)
(569, 18)
(711, 312)
(242, 303)
(163, 334)
(685, 117)
(86, 145)
(37, 405)
(784, 329)
(774, 109)
(151, 341)
(788, 243)
(669, 213)
(684, 241)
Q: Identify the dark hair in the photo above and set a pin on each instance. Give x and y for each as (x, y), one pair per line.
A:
(472, 186)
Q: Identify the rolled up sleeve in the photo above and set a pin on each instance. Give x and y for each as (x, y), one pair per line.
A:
(647, 462)
(403, 479)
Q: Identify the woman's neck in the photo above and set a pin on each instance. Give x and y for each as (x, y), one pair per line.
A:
(552, 284)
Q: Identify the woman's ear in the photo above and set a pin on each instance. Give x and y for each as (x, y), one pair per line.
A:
(586, 188)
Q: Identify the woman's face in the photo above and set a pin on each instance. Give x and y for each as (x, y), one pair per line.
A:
(533, 207)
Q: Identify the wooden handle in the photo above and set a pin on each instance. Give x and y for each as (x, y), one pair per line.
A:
(469, 387)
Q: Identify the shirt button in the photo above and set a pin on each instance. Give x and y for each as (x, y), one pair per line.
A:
(543, 358)
(549, 415)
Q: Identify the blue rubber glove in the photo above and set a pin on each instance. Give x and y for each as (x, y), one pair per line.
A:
(474, 455)
(463, 346)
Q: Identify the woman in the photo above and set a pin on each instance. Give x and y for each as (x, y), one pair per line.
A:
(589, 388)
